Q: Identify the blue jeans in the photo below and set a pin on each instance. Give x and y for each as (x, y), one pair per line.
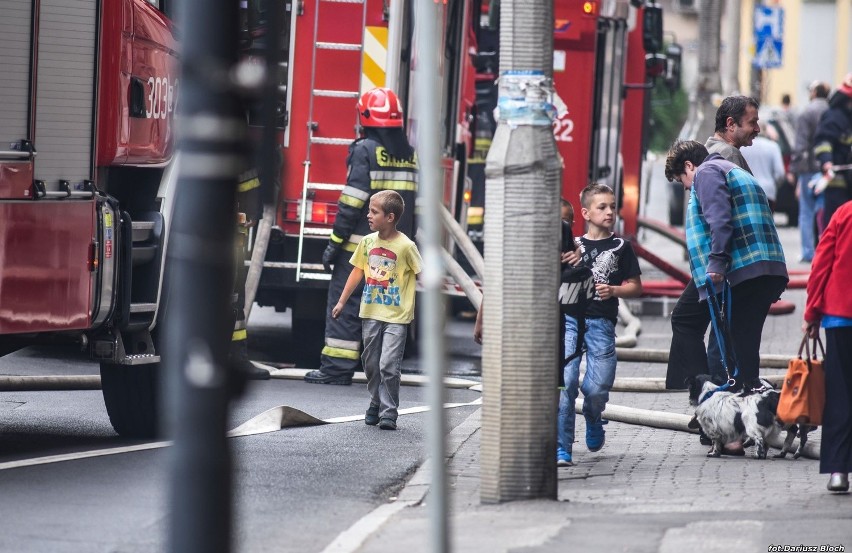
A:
(599, 339)
(807, 216)
(384, 344)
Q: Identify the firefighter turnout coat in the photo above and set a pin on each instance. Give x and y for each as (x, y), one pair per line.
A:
(371, 169)
(833, 143)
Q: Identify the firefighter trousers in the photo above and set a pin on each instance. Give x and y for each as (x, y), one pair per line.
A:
(341, 354)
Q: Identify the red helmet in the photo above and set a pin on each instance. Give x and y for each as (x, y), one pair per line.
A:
(846, 86)
(380, 107)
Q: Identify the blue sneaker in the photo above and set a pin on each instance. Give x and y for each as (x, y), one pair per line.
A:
(563, 458)
(595, 435)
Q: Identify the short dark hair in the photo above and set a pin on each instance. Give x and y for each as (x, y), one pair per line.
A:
(820, 89)
(786, 100)
(681, 152)
(391, 202)
(733, 106)
(592, 190)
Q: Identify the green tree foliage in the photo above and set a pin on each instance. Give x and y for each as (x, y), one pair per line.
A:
(668, 114)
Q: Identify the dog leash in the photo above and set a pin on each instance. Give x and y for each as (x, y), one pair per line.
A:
(720, 316)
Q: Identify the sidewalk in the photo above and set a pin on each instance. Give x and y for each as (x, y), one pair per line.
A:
(647, 490)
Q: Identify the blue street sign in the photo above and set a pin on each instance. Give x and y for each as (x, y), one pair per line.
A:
(768, 36)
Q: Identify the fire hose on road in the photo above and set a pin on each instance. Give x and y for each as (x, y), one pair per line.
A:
(283, 416)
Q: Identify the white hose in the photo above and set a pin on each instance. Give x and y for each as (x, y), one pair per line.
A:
(658, 384)
(676, 421)
(258, 256)
(464, 242)
(644, 355)
(10, 383)
(463, 279)
(633, 326)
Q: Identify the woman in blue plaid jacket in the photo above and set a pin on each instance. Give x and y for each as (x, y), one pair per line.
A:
(730, 236)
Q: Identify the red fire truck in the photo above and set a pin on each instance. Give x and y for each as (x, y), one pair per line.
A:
(604, 55)
(333, 52)
(89, 89)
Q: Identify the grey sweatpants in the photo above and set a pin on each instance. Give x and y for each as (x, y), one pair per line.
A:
(384, 344)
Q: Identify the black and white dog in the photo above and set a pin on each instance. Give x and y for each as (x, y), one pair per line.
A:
(749, 416)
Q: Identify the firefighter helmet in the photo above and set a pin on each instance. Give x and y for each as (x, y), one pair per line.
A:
(846, 86)
(380, 107)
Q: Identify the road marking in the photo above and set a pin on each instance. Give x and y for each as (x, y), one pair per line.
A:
(351, 539)
(271, 420)
(82, 455)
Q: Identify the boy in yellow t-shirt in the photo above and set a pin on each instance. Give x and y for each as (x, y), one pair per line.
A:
(391, 262)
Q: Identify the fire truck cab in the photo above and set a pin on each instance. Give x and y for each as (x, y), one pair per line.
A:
(86, 144)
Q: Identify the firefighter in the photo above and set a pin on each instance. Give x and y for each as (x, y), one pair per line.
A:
(833, 148)
(382, 159)
(247, 198)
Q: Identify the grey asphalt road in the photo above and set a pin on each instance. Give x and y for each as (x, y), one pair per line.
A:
(294, 490)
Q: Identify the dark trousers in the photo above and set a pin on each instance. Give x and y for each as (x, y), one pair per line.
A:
(835, 197)
(341, 354)
(750, 302)
(835, 454)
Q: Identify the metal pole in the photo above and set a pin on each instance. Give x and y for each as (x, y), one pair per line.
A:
(395, 23)
(732, 51)
(200, 265)
(709, 31)
(702, 112)
(427, 113)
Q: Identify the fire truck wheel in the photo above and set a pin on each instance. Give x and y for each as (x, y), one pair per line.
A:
(130, 395)
(8, 346)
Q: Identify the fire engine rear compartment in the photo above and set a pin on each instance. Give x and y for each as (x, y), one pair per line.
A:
(47, 260)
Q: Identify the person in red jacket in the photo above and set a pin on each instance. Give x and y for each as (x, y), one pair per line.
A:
(829, 304)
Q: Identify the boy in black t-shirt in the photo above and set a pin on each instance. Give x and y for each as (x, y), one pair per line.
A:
(615, 270)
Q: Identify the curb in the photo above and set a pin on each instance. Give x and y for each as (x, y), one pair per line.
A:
(411, 495)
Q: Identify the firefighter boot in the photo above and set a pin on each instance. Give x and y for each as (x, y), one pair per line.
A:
(319, 377)
(239, 360)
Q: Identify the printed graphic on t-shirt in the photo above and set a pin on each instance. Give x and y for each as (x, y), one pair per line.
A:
(390, 268)
(612, 261)
(381, 276)
(603, 263)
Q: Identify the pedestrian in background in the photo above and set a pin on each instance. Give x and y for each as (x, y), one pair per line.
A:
(805, 166)
(833, 147)
(381, 160)
(736, 127)
(767, 165)
(788, 112)
(730, 236)
(390, 261)
(616, 274)
(567, 212)
(830, 305)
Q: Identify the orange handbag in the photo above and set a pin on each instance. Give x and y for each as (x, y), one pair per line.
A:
(803, 393)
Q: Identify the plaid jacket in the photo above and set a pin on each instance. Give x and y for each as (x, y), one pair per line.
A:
(753, 247)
